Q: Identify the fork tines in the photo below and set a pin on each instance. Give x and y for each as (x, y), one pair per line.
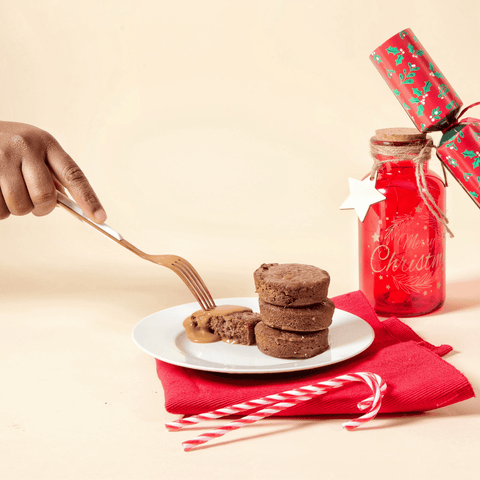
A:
(194, 282)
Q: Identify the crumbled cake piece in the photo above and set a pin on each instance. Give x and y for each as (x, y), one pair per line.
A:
(237, 327)
(230, 323)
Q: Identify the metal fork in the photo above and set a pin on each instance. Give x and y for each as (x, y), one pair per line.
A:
(177, 264)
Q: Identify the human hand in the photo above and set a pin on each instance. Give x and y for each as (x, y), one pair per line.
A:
(32, 166)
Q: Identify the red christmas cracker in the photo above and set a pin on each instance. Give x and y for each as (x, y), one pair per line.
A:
(421, 88)
(459, 150)
(432, 104)
(288, 399)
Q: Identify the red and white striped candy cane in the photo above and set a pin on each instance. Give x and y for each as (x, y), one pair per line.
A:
(289, 399)
(316, 389)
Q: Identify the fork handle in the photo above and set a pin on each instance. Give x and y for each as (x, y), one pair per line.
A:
(75, 210)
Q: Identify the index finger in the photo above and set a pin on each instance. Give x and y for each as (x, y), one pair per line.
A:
(74, 180)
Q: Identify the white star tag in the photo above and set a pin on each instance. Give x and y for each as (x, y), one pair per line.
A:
(362, 195)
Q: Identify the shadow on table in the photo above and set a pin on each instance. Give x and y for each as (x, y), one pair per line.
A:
(285, 425)
(462, 295)
(382, 421)
(142, 293)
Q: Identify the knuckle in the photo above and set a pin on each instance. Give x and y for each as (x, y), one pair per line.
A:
(21, 210)
(47, 138)
(45, 198)
(13, 146)
(50, 142)
(90, 198)
(26, 142)
(18, 144)
(73, 175)
(19, 141)
(43, 211)
(24, 139)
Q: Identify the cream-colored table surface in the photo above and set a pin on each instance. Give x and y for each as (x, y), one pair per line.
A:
(223, 132)
(81, 401)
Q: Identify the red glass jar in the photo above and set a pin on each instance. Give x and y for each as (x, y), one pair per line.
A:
(401, 242)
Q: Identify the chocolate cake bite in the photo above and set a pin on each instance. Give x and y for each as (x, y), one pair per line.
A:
(295, 310)
(236, 328)
(310, 318)
(230, 323)
(294, 317)
(291, 284)
(283, 344)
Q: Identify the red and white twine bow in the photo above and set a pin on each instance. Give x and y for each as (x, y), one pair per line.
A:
(287, 399)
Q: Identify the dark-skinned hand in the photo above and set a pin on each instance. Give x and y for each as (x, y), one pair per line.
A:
(33, 166)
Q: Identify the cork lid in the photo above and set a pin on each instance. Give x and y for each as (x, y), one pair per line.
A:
(399, 135)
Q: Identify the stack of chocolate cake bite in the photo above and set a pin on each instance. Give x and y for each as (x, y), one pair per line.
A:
(295, 310)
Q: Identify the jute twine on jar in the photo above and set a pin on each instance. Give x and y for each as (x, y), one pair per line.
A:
(418, 154)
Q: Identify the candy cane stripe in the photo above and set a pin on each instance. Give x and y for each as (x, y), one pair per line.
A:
(287, 399)
(326, 386)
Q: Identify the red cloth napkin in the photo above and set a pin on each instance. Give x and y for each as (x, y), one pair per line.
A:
(417, 378)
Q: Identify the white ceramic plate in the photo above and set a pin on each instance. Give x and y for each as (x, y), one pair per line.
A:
(162, 335)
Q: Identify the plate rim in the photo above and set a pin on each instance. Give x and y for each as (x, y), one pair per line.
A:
(258, 370)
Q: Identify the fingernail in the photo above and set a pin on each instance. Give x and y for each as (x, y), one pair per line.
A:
(100, 216)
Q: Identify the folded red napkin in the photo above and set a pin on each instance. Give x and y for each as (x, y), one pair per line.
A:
(417, 378)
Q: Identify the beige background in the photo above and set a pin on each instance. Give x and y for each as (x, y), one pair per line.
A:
(222, 131)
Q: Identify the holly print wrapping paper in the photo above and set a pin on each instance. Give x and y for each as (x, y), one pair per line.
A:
(459, 150)
(432, 104)
(418, 84)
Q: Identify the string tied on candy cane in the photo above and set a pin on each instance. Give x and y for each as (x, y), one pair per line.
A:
(284, 400)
